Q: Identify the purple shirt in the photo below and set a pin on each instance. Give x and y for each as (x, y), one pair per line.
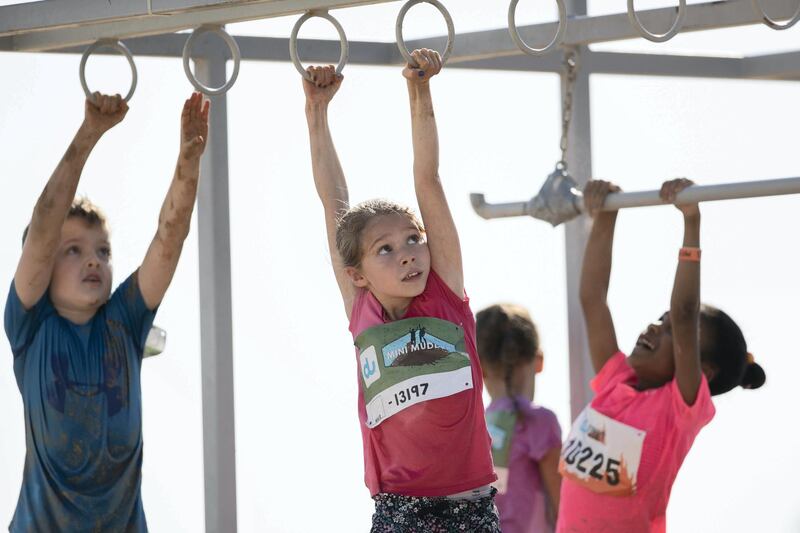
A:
(523, 508)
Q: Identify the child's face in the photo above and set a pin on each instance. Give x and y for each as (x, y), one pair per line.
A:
(652, 358)
(396, 259)
(81, 280)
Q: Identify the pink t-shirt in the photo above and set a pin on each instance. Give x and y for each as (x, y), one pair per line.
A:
(436, 447)
(523, 507)
(671, 427)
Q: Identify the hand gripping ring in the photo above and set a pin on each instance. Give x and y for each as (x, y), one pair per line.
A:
(771, 22)
(116, 45)
(344, 56)
(522, 45)
(398, 30)
(658, 38)
(235, 54)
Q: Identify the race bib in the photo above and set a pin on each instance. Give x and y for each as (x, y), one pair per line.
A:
(501, 426)
(602, 454)
(410, 361)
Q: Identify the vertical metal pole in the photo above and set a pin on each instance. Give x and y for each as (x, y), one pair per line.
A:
(579, 161)
(216, 334)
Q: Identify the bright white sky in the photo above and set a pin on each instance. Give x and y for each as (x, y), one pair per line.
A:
(298, 445)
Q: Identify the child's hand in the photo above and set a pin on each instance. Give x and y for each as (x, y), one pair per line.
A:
(594, 195)
(194, 127)
(323, 85)
(103, 112)
(671, 188)
(430, 64)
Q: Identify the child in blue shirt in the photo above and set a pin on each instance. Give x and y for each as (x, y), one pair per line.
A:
(78, 348)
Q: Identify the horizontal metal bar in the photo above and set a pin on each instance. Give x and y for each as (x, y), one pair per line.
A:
(696, 193)
(78, 22)
(46, 24)
(505, 210)
(784, 66)
(584, 30)
(252, 49)
(705, 193)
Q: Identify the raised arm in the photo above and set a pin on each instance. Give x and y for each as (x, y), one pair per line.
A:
(684, 309)
(328, 175)
(162, 256)
(440, 229)
(596, 274)
(44, 233)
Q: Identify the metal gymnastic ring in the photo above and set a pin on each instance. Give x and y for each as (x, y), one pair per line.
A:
(344, 56)
(235, 55)
(398, 30)
(658, 38)
(771, 22)
(522, 45)
(116, 45)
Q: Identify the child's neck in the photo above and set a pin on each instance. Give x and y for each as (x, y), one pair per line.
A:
(79, 317)
(395, 308)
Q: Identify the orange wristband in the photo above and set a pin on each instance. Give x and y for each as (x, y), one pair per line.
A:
(689, 254)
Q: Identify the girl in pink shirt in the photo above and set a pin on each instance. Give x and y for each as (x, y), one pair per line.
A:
(526, 438)
(625, 449)
(427, 460)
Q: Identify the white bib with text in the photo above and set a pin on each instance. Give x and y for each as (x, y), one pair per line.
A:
(602, 454)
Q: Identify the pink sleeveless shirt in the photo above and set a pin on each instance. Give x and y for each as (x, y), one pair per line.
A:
(438, 446)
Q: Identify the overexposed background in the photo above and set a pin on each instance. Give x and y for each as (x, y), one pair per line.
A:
(299, 461)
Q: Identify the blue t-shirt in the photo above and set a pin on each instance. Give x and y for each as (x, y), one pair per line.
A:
(82, 395)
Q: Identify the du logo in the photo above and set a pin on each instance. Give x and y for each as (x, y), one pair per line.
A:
(368, 361)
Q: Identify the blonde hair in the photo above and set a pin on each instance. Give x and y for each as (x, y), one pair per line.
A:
(351, 224)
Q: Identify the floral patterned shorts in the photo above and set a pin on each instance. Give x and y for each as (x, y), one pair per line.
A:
(406, 514)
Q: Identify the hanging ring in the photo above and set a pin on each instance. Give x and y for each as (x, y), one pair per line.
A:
(235, 55)
(121, 48)
(658, 38)
(522, 45)
(398, 30)
(771, 22)
(344, 56)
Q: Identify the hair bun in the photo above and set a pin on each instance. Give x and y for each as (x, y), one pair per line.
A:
(754, 376)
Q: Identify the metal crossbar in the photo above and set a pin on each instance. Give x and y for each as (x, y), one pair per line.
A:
(561, 203)
(45, 25)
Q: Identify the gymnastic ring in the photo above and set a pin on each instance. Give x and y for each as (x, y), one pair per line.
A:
(658, 38)
(344, 55)
(121, 48)
(235, 55)
(771, 22)
(398, 30)
(522, 45)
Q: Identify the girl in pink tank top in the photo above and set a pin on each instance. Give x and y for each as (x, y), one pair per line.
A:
(625, 449)
(426, 448)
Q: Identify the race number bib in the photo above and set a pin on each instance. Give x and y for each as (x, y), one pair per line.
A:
(501, 426)
(602, 454)
(410, 361)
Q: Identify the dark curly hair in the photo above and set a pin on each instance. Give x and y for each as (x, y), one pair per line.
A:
(723, 347)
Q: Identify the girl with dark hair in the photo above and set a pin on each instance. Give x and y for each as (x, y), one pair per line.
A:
(526, 438)
(625, 449)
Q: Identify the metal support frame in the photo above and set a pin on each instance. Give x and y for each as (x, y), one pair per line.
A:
(147, 26)
(45, 25)
(216, 330)
(576, 233)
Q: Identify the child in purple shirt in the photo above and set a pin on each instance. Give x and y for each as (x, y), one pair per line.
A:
(526, 439)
